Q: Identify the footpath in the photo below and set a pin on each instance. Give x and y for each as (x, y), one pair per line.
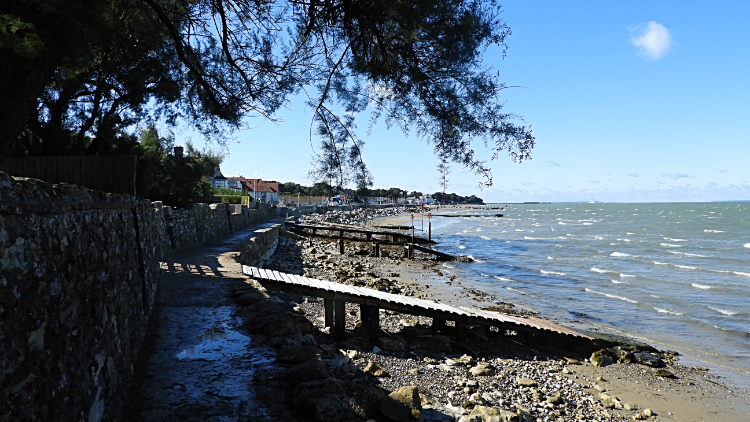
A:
(198, 365)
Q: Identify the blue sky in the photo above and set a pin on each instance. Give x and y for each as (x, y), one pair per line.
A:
(631, 102)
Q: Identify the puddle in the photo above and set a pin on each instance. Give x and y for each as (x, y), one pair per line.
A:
(216, 343)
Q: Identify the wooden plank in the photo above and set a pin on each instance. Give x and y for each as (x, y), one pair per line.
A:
(328, 312)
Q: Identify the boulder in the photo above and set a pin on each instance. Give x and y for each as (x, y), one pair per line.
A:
(483, 369)
(280, 328)
(307, 371)
(555, 398)
(648, 359)
(663, 373)
(296, 354)
(601, 358)
(403, 405)
(375, 370)
(334, 407)
(313, 389)
(368, 398)
(526, 382)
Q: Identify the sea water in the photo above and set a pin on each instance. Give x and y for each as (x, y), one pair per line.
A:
(676, 275)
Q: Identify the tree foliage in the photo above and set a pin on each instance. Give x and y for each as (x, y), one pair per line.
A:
(79, 75)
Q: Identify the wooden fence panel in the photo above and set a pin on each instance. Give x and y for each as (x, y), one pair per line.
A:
(109, 173)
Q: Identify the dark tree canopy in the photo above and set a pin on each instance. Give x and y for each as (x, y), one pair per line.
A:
(78, 76)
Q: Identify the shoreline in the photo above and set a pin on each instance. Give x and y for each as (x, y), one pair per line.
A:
(611, 390)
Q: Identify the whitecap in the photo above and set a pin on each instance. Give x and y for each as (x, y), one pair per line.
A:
(446, 265)
(504, 278)
(739, 273)
(625, 240)
(599, 270)
(701, 286)
(519, 230)
(476, 260)
(620, 254)
(669, 245)
(551, 272)
(462, 247)
(713, 231)
(616, 282)
(629, 233)
(724, 311)
(531, 238)
(479, 229)
(563, 237)
(686, 267)
(675, 240)
(747, 245)
(550, 257)
(611, 296)
(667, 311)
(484, 275)
(688, 254)
(588, 224)
(517, 291)
(622, 275)
(486, 238)
(660, 263)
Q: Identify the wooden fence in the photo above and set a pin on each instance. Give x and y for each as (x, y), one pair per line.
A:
(108, 173)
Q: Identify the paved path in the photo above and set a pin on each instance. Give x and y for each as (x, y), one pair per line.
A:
(202, 366)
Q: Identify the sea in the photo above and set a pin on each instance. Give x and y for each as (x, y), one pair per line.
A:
(674, 275)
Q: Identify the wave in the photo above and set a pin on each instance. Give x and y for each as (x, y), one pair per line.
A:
(611, 296)
(675, 240)
(713, 231)
(520, 230)
(724, 311)
(747, 245)
(661, 263)
(462, 247)
(504, 278)
(622, 275)
(588, 224)
(701, 286)
(551, 273)
(667, 311)
(486, 238)
(479, 229)
(742, 274)
(686, 267)
(599, 270)
(625, 240)
(617, 282)
(620, 254)
(517, 291)
(689, 254)
(629, 233)
(476, 259)
(669, 245)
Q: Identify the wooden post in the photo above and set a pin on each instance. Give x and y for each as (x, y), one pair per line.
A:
(373, 322)
(328, 312)
(339, 327)
(406, 251)
(341, 245)
(460, 332)
(438, 324)
(429, 231)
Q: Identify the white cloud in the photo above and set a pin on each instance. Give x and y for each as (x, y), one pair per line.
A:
(674, 175)
(653, 40)
(593, 181)
(551, 163)
(633, 174)
(527, 183)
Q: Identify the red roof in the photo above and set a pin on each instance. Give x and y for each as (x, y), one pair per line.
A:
(252, 184)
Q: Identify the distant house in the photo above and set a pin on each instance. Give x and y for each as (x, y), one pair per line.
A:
(257, 188)
(219, 181)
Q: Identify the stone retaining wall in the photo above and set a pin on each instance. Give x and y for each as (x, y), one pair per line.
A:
(79, 272)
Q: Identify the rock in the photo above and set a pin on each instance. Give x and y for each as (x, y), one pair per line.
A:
(555, 398)
(640, 416)
(434, 344)
(307, 371)
(313, 389)
(301, 322)
(296, 354)
(390, 344)
(338, 361)
(491, 414)
(630, 406)
(483, 369)
(414, 371)
(312, 251)
(403, 405)
(525, 382)
(280, 328)
(648, 359)
(648, 412)
(368, 398)
(334, 407)
(250, 297)
(663, 373)
(375, 370)
(572, 361)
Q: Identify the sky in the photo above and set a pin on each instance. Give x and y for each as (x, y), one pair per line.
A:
(629, 102)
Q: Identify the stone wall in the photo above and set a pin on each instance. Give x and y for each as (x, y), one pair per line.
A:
(262, 242)
(79, 272)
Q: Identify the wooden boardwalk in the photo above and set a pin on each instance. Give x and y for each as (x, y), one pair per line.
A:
(338, 232)
(335, 295)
